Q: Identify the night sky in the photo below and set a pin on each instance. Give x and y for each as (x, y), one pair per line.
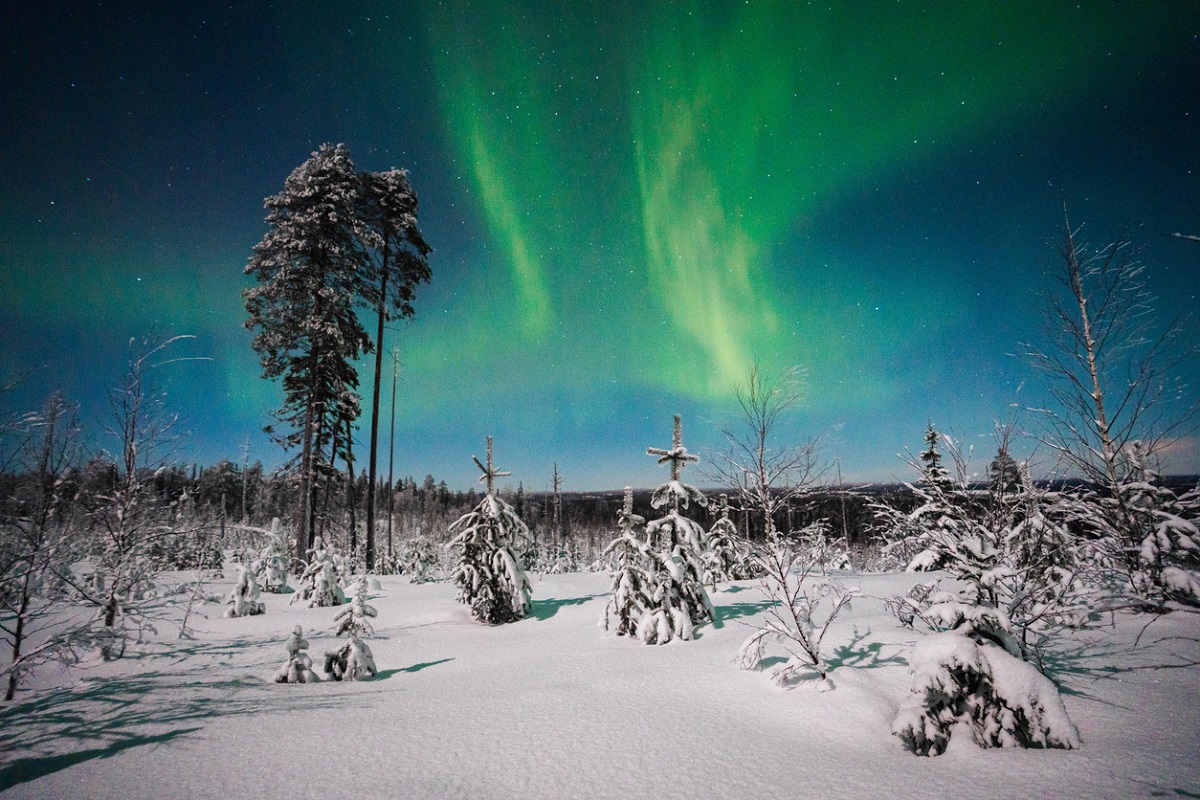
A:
(628, 203)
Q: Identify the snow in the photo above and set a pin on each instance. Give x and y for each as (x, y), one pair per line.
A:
(550, 707)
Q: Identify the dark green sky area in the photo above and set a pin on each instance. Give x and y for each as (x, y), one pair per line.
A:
(628, 203)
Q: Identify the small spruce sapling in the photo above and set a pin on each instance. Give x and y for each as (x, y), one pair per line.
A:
(723, 559)
(971, 677)
(319, 584)
(676, 545)
(631, 583)
(489, 539)
(418, 558)
(243, 597)
(270, 568)
(298, 667)
(353, 660)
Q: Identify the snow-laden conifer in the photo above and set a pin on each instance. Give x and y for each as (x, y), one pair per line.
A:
(632, 584)
(353, 660)
(971, 678)
(356, 618)
(298, 667)
(1012, 550)
(723, 557)
(243, 597)
(320, 583)
(676, 547)
(489, 539)
(270, 568)
(418, 557)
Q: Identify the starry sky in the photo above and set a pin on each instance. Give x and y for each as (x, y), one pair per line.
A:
(628, 203)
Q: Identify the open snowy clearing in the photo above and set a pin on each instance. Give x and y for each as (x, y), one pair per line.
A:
(551, 707)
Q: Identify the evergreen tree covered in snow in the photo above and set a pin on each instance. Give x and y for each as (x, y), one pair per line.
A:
(970, 677)
(353, 660)
(298, 667)
(724, 558)
(356, 618)
(676, 545)
(243, 597)
(320, 583)
(631, 583)
(932, 471)
(1013, 550)
(270, 568)
(418, 558)
(1161, 541)
(489, 540)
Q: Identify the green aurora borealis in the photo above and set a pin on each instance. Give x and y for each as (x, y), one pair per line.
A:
(628, 204)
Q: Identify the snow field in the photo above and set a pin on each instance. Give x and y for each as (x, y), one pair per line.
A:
(551, 707)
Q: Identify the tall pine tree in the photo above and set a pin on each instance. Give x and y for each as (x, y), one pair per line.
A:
(397, 266)
(307, 269)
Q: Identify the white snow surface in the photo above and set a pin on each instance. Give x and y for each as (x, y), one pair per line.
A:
(551, 707)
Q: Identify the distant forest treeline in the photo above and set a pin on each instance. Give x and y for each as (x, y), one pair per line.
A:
(227, 496)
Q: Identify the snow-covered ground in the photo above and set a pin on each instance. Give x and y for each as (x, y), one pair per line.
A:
(550, 707)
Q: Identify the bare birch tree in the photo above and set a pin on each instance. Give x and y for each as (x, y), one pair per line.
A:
(764, 475)
(1112, 374)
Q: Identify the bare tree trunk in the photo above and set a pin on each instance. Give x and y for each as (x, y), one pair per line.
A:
(382, 313)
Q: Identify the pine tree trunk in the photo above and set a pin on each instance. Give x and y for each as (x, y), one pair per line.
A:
(375, 412)
(350, 499)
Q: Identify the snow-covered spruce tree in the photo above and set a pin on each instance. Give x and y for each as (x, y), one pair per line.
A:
(676, 547)
(723, 557)
(243, 597)
(971, 677)
(270, 568)
(418, 557)
(1012, 550)
(320, 583)
(489, 539)
(298, 667)
(353, 660)
(632, 585)
(1163, 528)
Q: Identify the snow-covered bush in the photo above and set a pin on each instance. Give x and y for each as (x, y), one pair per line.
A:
(796, 620)
(353, 660)
(676, 545)
(319, 583)
(298, 667)
(489, 575)
(1010, 545)
(971, 679)
(1146, 537)
(631, 583)
(243, 597)
(821, 551)
(418, 558)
